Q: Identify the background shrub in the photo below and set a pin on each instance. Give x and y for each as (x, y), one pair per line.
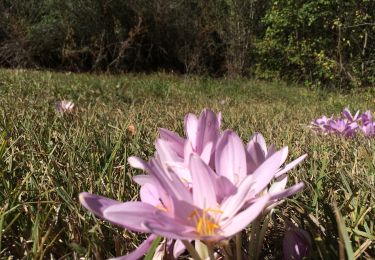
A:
(319, 42)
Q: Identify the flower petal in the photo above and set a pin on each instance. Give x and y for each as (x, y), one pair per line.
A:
(176, 142)
(95, 203)
(168, 227)
(178, 248)
(149, 194)
(191, 128)
(130, 215)
(291, 165)
(143, 179)
(243, 219)
(203, 181)
(140, 251)
(138, 163)
(263, 175)
(169, 181)
(230, 157)
(287, 192)
(165, 153)
(208, 129)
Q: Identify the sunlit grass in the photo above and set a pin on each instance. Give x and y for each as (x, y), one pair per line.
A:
(47, 159)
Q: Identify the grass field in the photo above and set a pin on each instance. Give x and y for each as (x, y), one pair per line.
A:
(46, 160)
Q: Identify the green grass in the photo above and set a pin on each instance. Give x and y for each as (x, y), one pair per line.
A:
(46, 159)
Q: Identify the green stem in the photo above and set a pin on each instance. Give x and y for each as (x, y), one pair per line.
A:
(193, 253)
(255, 226)
(238, 246)
(261, 235)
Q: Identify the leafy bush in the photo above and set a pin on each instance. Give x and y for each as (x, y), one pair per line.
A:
(322, 42)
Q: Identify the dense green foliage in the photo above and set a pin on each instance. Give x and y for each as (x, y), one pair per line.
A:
(320, 42)
(46, 159)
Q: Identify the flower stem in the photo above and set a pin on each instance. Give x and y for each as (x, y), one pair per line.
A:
(193, 253)
(261, 235)
(238, 246)
(255, 226)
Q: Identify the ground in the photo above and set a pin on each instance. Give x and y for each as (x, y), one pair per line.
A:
(47, 159)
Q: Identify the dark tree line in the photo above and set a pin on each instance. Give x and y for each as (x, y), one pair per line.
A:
(321, 42)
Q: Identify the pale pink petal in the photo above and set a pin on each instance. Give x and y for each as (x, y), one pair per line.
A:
(203, 181)
(257, 152)
(219, 119)
(259, 139)
(140, 251)
(191, 128)
(230, 157)
(224, 188)
(291, 165)
(181, 170)
(287, 192)
(271, 150)
(279, 184)
(169, 181)
(130, 215)
(138, 163)
(95, 203)
(208, 129)
(263, 175)
(234, 203)
(149, 194)
(165, 152)
(207, 152)
(176, 141)
(188, 149)
(178, 248)
(243, 219)
(143, 179)
(168, 227)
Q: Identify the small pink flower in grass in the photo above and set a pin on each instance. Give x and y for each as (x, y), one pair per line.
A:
(64, 106)
(297, 243)
(321, 124)
(343, 127)
(346, 113)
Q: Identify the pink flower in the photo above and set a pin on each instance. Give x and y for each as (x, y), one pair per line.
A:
(346, 113)
(64, 106)
(206, 187)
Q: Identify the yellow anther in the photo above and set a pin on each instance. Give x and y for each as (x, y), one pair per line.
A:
(161, 207)
(206, 223)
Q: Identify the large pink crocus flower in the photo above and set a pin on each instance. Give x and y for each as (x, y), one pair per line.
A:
(198, 215)
(201, 214)
(206, 187)
(175, 212)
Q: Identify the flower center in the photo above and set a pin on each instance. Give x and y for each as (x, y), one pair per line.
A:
(205, 221)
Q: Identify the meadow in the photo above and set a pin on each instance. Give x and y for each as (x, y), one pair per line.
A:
(47, 159)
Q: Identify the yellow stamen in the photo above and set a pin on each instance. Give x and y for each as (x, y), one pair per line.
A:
(206, 223)
(161, 207)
